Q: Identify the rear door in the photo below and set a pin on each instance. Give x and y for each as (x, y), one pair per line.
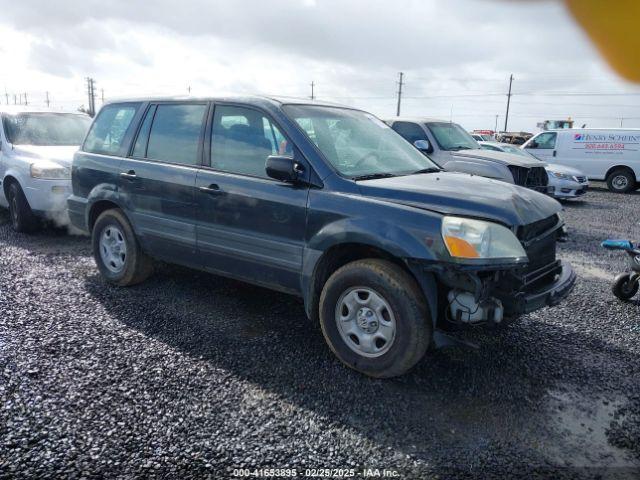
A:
(157, 180)
(249, 226)
(543, 146)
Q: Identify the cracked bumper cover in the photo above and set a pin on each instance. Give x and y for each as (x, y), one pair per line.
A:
(547, 295)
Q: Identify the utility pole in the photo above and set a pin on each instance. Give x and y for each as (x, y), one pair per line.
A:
(91, 92)
(26, 102)
(506, 117)
(6, 95)
(495, 129)
(621, 120)
(102, 95)
(399, 94)
(15, 100)
(47, 98)
(313, 96)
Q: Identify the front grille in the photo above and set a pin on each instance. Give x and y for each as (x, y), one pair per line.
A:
(581, 179)
(540, 248)
(519, 175)
(535, 178)
(532, 230)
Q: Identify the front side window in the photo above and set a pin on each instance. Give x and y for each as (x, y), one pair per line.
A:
(545, 140)
(356, 143)
(452, 137)
(109, 128)
(242, 139)
(412, 132)
(175, 133)
(46, 129)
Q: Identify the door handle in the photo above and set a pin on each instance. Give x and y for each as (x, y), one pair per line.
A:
(213, 189)
(130, 175)
(554, 153)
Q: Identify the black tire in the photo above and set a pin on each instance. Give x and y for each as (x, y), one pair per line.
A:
(22, 218)
(414, 328)
(621, 180)
(624, 288)
(137, 265)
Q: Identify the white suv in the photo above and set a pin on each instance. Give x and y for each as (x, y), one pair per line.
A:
(36, 151)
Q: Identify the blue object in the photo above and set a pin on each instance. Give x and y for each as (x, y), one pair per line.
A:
(617, 245)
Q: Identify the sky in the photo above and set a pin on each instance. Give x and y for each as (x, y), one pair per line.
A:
(456, 56)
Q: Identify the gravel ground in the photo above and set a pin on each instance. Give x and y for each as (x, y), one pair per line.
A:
(192, 375)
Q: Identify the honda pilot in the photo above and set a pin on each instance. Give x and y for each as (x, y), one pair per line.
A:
(321, 201)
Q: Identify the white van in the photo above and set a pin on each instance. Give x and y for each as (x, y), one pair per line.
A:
(601, 153)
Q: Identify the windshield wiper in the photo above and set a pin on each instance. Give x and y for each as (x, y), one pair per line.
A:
(460, 147)
(373, 176)
(426, 170)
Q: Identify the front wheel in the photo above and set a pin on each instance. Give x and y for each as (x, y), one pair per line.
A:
(621, 181)
(375, 318)
(117, 252)
(22, 218)
(624, 287)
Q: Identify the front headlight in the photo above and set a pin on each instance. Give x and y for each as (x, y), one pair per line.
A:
(468, 238)
(50, 171)
(561, 176)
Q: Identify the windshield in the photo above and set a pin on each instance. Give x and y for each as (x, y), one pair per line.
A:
(358, 144)
(517, 151)
(451, 136)
(51, 129)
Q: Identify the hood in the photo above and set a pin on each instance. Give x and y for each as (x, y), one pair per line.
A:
(59, 154)
(465, 195)
(554, 167)
(500, 157)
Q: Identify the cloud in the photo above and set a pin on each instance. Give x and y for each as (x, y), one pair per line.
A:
(352, 50)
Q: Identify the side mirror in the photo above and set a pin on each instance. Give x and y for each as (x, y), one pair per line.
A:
(532, 145)
(284, 169)
(423, 145)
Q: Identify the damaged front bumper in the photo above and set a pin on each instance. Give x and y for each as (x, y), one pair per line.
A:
(534, 296)
(489, 295)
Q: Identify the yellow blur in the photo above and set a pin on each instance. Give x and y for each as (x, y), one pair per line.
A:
(614, 26)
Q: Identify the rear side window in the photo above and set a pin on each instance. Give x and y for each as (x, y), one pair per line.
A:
(242, 139)
(175, 133)
(410, 131)
(109, 128)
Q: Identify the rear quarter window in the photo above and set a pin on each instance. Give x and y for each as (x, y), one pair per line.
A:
(109, 129)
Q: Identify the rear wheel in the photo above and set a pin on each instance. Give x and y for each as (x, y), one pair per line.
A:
(624, 287)
(621, 180)
(117, 251)
(374, 318)
(22, 218)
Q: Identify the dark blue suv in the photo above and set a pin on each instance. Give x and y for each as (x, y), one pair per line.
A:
(322, 201)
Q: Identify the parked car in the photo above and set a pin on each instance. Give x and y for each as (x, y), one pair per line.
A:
(564, 182)
(483, 135)
(36, 150)
(320, 201)
(452, 148)
(606, 154)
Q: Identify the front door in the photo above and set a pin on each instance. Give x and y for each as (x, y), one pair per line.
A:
(248, 225)
(157, 182)
(543, 146)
